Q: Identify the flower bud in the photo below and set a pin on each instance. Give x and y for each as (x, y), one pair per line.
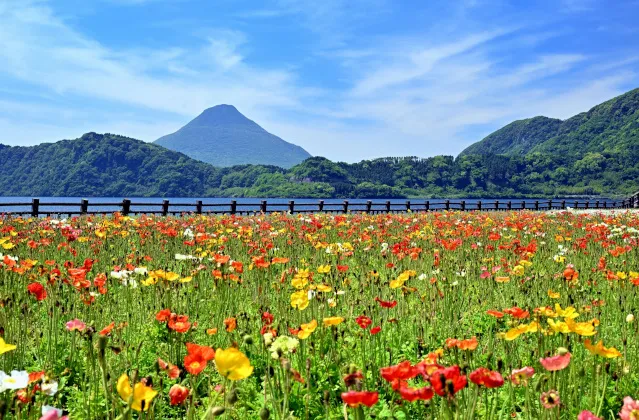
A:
(248, 340)
(231, 397)
(630, 318)
(217, 411)
(562, 350)
(264, 413)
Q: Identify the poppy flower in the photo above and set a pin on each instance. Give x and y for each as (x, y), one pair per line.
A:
(486, 377)
(357, 398)
(37, 290)
(630, 409)
(76, 325)
(587, 415)
(306, 330)
(363, 321)
(386, 304)
(230, 324)
(171, 370)
(517, 312)
(233, 364)
(550, 399)
(448, 381)
(414, 394)
(4, 347)
(163, 315)
(179, 323)
(142, 394)
(197, 357)
(521, 376)
(494, 313)
(333, 320)
(376, 330)
(600, 350)
(400, 372)
(555, 363)
(178, 394)
(107, 330)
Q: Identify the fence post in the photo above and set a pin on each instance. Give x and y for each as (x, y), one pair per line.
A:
(496, 205)
(369, 205)
(263, 206)
(447, 204)
(536, 204)
(35, 207)
(427, 204)
(523, 204)
(463, 205)
(345, 206)
(509, 205)
(320, 205)
(587, 204)
(388, 209)
(549, 204)
(233, 206)
(563, 204)
(479, 205)
(291, 206)
(198, 206)
(407, 205)
(126, 206)
(84, 206)
(165, 207)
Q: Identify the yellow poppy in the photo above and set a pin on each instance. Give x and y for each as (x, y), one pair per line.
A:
(324, 269)
(502, 279)
(518, 270)
(299, 300)
(4, 347)
(583, 328)
(553, 295)
(299, 282)
(324, 288)
(142, 394)
(233, 364)
(558, 326)
(307, 330)
(600, 350)
(569, 312)
(333, 320)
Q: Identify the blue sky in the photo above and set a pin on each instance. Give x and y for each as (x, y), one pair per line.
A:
(345, 79)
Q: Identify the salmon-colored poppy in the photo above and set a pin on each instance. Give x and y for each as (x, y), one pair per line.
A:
(357, 398)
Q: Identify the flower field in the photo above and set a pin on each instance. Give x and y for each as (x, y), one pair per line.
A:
(441, 315)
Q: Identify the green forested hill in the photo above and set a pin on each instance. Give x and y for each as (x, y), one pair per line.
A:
(517, 138)
(610, 127)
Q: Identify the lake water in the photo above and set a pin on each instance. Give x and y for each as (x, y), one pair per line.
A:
(178, 205)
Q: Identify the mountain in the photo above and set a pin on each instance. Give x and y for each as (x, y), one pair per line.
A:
(610, 127)
(222, 136)
(101, 165)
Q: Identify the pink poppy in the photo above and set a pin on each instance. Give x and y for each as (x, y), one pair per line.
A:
(587, 415)
(550, 399)
(521, 376)
(76, 325)
(630, 409)
(554, 363)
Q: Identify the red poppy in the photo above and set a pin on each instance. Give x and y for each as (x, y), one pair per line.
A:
(363, 321)
(414, 394)
(400, 372)
(194, 363)
(486, 377)
(267, 318)
(386, 304)
(355, 398)
(171, 370)
(207, 352)
(163, 315)
(37, 290)
(178, 394)
(448, 381)
(342, 268)
(376, 330)
(517, 312)
(494, 313)
(179, 323)
(107, 330)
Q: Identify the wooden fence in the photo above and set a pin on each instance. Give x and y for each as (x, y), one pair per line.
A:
(127, 207)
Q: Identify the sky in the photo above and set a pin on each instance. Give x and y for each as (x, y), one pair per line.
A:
(345, 79)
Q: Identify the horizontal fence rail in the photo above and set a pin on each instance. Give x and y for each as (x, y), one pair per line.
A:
(37, 208)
